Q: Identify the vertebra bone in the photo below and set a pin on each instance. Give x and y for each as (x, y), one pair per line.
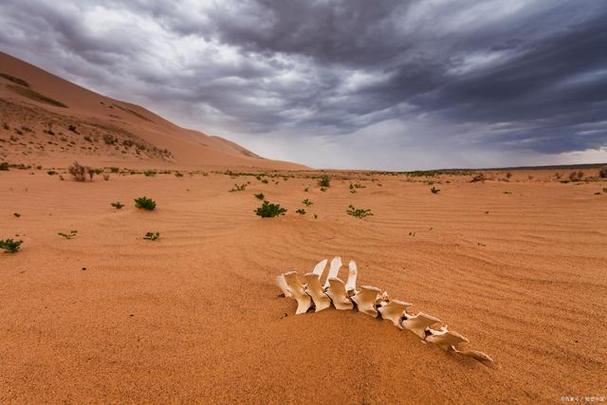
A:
(304, 302)
(338, 295)
(314, 290)
(333, 270)
(394, 311)
(418, 323)
(365, 300)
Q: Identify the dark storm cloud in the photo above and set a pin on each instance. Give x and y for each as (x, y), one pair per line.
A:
(526, 76)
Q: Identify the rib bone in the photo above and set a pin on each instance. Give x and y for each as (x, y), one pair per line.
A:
(333, 270)
(352, 274)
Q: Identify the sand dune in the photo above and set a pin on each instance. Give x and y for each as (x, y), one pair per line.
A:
(518, 267)
(50, 121)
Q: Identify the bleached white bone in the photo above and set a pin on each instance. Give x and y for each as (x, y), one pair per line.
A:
(445, 339)
(314, 290)
(337, 293)
(352, 274)
(282, 284)
(418, 323)
(394, 311)
(365, 300)
(475, 354)
(304, 302)
(333, 270)
(320, 267)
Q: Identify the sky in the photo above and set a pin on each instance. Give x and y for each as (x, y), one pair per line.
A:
(391, 85)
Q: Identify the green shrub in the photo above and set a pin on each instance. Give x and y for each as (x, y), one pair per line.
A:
(77, 171)
(358, 212)
(145, 203)
(259, 196)
(307, 202)
(118, 205)
(269, 210)
(71, 235)
(325, 181)
(301, 211)
(10, 245)
(151, 235)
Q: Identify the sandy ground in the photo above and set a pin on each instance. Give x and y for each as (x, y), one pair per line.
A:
(195, 317)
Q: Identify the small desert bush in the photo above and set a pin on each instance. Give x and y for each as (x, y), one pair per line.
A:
(307, 202)
(77, 171)
(10, 245)
(149, 173)
(114, 169)
(358, 212)
(71, 235)
(118, 205)
(151, 235)
(237, 187)
(260, 196)
(325, 181)
(577, 175)
(51, 172)
(4, 166)
(479, 177)
(145, 203)
(269, 210)
(301, 211)
(603, 172)
(434, 190)
(178, 174)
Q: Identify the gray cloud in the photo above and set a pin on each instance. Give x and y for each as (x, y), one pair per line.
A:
(344, 82)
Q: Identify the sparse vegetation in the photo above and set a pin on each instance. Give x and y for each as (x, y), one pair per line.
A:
(603, 172)
(259, 196)
(145, 203)
(151, 235)
(576, 175)
(4, 166)
(178, 174)
(301, 211)
(307, 202)
(478, 177)
(358, 212)
(51, 172)
(324, 182)
(237, 187)
(106, 176)
(14, 79)
(269, 210)
(435, 190)
(71, 235)
(77, 171)
(17, 215)
(34, 95)
(149, 173)
(10, 245)
(118, 205)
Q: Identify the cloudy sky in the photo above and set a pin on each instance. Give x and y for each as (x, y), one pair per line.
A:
(346, 83)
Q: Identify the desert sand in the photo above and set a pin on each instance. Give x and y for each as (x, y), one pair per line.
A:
(195, 316)
(514, 263)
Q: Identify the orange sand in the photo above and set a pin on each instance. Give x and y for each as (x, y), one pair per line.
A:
(195, 317)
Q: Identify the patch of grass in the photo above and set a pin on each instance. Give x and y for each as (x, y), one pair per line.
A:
(34, 95)
(324, 181)
(435, 190)
(149, 173)
(260, 196)
(358, 212)
(145, 203)
(301, 211)
(307, 202)
(10, 245)
(269, 210)
(118, 205)
(151, 235)
(71, 235)
(237, 187)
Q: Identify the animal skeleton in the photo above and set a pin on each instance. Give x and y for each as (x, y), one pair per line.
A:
(368, 300)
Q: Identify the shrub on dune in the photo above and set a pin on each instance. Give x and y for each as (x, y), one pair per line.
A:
(10, 245)
(145, 203)
(269, 210)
